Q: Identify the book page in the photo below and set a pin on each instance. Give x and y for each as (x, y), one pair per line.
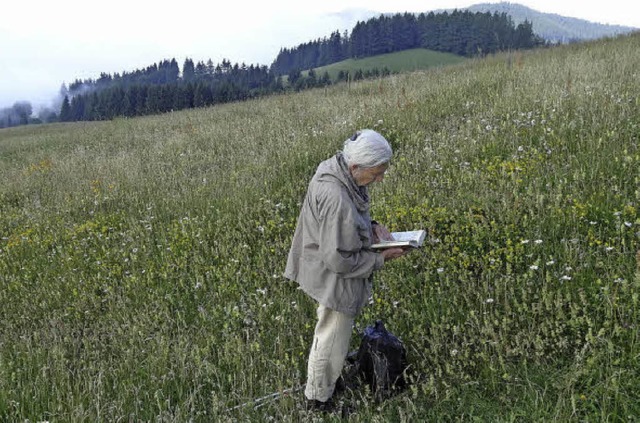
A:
(406, 236)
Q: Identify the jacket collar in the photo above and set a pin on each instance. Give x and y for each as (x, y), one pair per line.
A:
(360, 195)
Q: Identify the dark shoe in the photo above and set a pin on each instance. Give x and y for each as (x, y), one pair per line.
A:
(324, 407)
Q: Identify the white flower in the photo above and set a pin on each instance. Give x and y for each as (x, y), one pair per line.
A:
(551, 262)
(628, 224)
(533, 267)
(489, 300)
(524, 241)
(454, 352)
(440, 269)
(565, 278)
(538, 241)
(617, 214)
(593, 223)
(609, 249)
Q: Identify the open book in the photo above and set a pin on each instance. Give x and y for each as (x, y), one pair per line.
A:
(412, 239)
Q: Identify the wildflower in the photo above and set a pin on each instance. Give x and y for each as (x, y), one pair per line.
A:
(608, 249)
(538, 241)
(524, 241)
(489, 301)
(628, 224)
(618, 280)
(565, 278)
(533, 267)
(593, 222)
(617, 214)
(135, 250)
(198, 285)
(454, 352)
(551, 262)
(440, 269)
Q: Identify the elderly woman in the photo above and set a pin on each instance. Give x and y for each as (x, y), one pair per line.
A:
(330, 256)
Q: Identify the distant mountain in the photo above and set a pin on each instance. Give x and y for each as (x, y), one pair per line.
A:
(552, 27)
(348, 18)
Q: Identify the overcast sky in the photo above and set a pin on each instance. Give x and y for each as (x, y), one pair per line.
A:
(44, 43)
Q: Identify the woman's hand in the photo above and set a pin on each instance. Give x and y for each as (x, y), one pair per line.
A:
(381, 233)
(393, 253)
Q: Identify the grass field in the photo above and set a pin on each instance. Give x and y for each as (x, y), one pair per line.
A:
(402, 61)
(141, 259)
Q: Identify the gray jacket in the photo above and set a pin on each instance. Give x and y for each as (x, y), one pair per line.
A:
(329, 254)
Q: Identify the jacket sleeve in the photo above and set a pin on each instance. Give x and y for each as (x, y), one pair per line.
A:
(341, 248)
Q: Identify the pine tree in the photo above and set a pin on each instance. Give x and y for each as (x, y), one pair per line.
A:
(65, 110)
(188, 70)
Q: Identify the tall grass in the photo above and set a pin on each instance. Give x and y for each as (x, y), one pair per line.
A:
(141, 259)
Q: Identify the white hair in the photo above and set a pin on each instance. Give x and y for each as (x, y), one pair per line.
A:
(367, 148)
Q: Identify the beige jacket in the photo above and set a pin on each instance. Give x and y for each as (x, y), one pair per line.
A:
(330, 257)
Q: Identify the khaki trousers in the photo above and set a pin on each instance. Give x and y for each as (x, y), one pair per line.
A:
(328, 352)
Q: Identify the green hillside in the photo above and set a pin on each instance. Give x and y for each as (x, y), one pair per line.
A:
(141, 259)
(403, 61)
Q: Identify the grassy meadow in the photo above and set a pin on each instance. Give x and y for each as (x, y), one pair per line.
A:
(401, 61)
(141, 259)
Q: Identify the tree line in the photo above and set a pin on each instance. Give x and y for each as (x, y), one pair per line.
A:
(163, 86)
(459, 32)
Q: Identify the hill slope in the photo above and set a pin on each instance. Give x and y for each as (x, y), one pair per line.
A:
(403, 61)
(141, 259)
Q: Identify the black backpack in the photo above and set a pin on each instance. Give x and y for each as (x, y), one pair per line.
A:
(381, 361)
